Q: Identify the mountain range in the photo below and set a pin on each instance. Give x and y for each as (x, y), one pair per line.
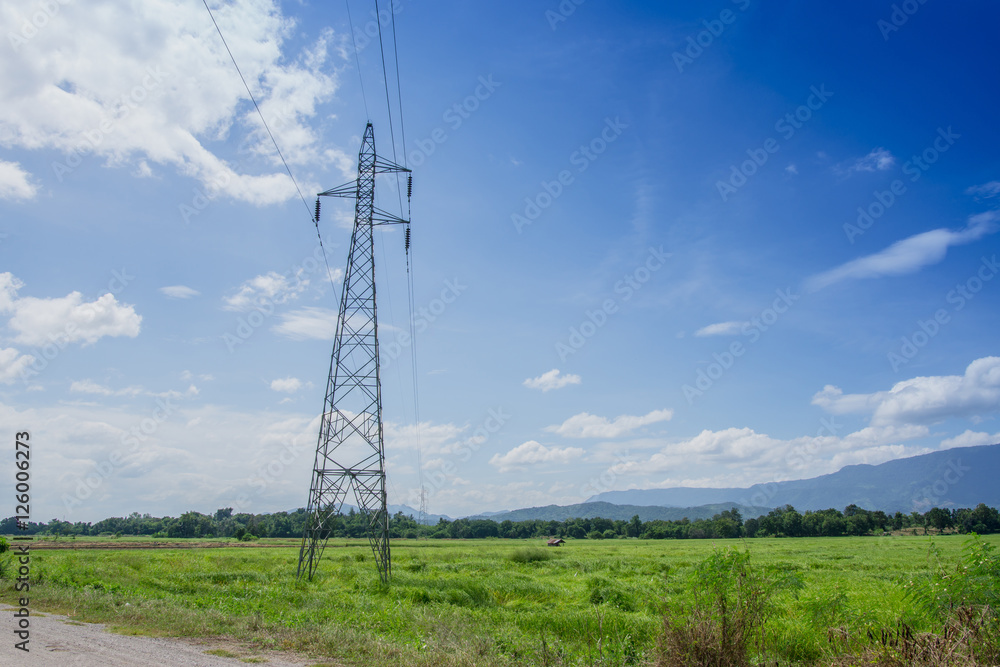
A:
(612, 511)
(959, 477)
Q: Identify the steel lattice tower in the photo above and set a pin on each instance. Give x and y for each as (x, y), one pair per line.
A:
(350, 451)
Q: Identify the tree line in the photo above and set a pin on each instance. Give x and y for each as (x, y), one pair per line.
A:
(780, 522)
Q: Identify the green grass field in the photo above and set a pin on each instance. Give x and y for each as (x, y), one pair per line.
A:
(490, 602)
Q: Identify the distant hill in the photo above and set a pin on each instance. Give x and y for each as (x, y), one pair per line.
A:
(625, 512)
(959, 477)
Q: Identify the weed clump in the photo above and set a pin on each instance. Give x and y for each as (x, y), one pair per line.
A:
(721, 623)
(530, 555)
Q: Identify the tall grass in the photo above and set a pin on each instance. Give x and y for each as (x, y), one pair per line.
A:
(493, 603)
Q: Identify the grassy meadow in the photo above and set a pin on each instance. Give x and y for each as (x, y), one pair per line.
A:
(492, 602)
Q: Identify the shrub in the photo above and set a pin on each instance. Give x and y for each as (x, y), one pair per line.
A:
(721, 623)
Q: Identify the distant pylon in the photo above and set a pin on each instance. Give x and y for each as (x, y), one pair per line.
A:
(422, 514)
(350, 452)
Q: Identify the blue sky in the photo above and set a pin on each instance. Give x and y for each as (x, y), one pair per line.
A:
(695, 244)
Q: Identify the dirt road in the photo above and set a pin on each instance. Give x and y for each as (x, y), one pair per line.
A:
(58, 641)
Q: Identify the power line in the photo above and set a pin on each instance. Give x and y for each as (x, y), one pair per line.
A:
(388, 101)
(399, 196)
(256, 106)
(357, 59)
(399, 94)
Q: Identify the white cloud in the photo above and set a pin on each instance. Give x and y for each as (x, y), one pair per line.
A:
(792, 169)
(742, 456)
(91, 387)
(308, 323)
(985, 191)
(551, 380)
(82, 86)
(879, 159)
(189, 457)
(836, 402)
(12, 364)
(971, 439)
(287, 385)
(585, 425)
(924, 400)
(270, 288)
(927, 400)
(432, 439)
(179, 291)
(909, 255)
(720, 329)
(68, 319)
(14, 183)
(531, 452)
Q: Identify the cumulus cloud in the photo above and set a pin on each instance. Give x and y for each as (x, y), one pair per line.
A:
(14, 183)
(68, 319)
(585, 425)
(909, 255)
(924, 400)
(179, 291)
(739, 456)
(308, 323)
(270, 288)
(971, 438)
(551, 380)
(287, 385)
(730, 328)
(82, 86)
(531, 453)
(878, 160)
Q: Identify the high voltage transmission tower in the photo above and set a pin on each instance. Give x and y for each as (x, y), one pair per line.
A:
(350, 451)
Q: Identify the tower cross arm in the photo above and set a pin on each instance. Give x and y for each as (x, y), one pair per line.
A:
(380, 217)
(346, 190)
(383, 166)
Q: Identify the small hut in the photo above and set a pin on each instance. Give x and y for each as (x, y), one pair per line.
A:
(556, 541)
